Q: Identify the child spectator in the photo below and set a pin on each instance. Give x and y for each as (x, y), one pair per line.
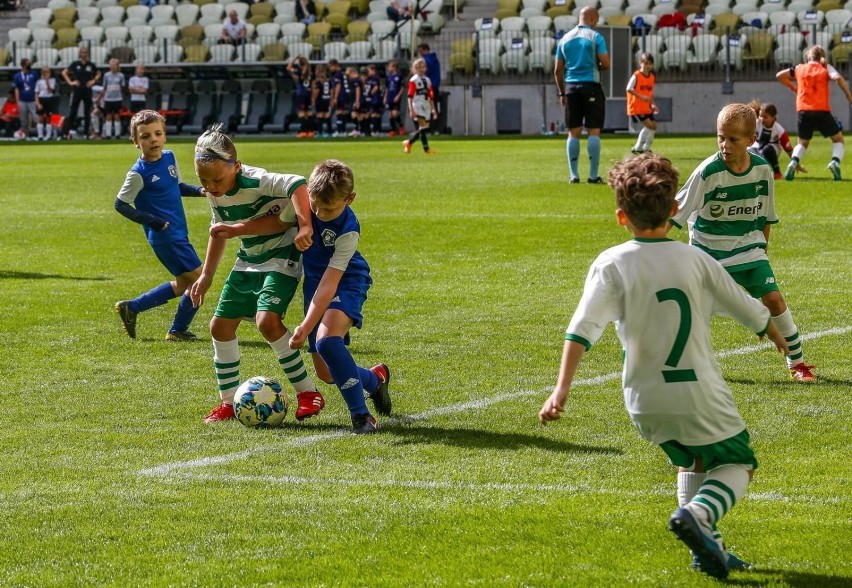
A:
(771, 138)
(321, 100)
(729, 204)
(151, 196)
(267, 270)
(661, 295)
(114, 85)
(10, 115)
(97, 115)
(393, 97)
(47, 101)
(138, 86)
(640, 102)
(300, 69)
(337, 278)
(810, 81)
(421, 106)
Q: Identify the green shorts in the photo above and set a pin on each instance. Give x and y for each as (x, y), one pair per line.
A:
(246, 293)
(733, 451)
(758, 280)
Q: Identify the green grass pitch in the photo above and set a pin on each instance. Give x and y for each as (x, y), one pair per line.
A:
(108, 477)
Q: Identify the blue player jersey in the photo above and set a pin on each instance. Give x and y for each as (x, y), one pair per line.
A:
(373, 90)
(394, 83)
(155, 188)
(319, 255)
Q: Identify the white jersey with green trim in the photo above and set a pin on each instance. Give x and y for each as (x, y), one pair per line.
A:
(727, 212)
(260, 193)
(661, 294)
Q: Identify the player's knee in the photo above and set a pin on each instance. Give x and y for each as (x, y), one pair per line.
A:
(269, 324)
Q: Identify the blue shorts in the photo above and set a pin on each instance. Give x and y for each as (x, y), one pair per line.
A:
(349, 299)
(179, 257)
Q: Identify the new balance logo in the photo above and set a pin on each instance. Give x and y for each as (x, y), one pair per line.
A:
(349, 383)
(155, 178)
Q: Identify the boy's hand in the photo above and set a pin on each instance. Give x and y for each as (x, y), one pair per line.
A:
(553, 407)
(304, 238)
(777, 338)
(159, 225)
(223, 231)
(801, 169)
(199, 289)
(298, 339)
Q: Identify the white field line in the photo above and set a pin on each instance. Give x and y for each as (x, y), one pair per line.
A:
(171, 469)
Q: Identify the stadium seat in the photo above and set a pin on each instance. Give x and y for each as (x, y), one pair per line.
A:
(248, 52)
(67, 38)
(196, 54)
(734, 45)
(358, 30)
(783, 18)
(257, 107)
(20, 36)
(99, 55)
(704, 49)
(300, 48)
(759, 48)
(335, 50)
(677, 50)
(740, 7)
(68, 55)
(385, 50)
(125, 55)
(89, 13)
(725, 23)
(566, 22)
(840, 54)
(211, 14)
(230, 104)
(489, 55)
(138, 11)
(652, 44)
(186, 14)
(285, 12)
(92, 34)
(461, 56)
(212, 34)
(274, 52)
(338, 15)
(788, 50)
(360, 50)
(40, 17)
(241, 7)
(558, 8)
(633, 8)
(173, 53)
(68, 13)
(42, 37)
(263, 9)
(486, 27)
(507, 8)
(515, 60)
(267, 33)
(169, 32)
(221, 53)
(318, 34)
(45, 56)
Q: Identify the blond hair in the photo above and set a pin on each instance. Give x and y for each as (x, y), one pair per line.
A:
(645, 188)
(215, 145)
(738, 114)
(817, 53)
(330, 181)
(144, 117)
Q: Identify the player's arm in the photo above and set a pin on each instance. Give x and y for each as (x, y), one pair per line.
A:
(559, 76)
(845, 87)
(124, 204)
(215, 251)
(302, 206)
(319, 304)
(787, 77)
(554, 406)
(264, 225)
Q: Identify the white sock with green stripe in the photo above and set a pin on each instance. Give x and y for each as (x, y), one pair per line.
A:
(787, 327)
(688, 484)
(226, 360)
(721, 490)
(291, 362)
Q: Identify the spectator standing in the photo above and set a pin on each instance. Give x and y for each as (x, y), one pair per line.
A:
(47, 101)
(138, 87)
(114, 85)
(580, 57)
(233, 30)
(306, 12)
(81, 75)
(9, 115)
(24, 83)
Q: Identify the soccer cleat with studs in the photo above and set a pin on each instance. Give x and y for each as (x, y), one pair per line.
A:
(803, 373)
(128, 317)
(834, 168)
(597, 180)
(735, 564)
(790, 172)
(711, 559)
(181, 336)
(406, 146)
(309, 404)
(380, 396)
(364, 424)
(223, 412)
(574, 180)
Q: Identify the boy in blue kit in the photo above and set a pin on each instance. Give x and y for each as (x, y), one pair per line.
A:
(151, 196)
(336, 281)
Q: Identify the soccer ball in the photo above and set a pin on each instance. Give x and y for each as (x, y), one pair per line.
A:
(260, 403)
(19, 134)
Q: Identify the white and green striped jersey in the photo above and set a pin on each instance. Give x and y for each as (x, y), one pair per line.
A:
(259, 193)
(727, 212)
(661, 294)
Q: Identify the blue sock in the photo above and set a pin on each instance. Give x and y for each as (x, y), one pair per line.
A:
(184, 315)
(573, 151)
(369, 380)
(593, 147)
(345, 373)
(155, 297)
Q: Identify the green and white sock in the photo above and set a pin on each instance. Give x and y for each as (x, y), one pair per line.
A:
(226, 360)
(721, 490)
(291, 362)
(785, 324)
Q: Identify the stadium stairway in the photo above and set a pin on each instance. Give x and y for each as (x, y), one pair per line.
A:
(454, 28)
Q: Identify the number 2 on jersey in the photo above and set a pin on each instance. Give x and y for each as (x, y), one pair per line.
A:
(678, 375)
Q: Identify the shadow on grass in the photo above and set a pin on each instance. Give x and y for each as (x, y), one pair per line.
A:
(11, 275)
(794, 579)
(480, 439)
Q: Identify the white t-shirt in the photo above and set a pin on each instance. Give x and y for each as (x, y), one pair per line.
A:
(233, 29)
(661, 294)
(138, 82)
